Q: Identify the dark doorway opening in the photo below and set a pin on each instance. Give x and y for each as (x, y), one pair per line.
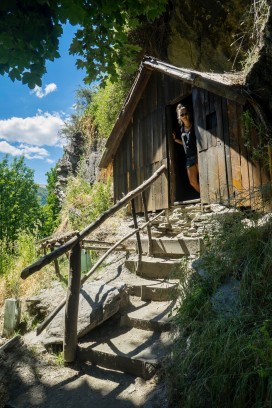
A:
(183, 190)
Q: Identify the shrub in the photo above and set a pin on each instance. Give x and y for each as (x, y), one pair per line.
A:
(85, 202)
(225, 360)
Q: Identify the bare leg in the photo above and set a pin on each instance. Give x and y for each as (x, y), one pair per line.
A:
(193, 176)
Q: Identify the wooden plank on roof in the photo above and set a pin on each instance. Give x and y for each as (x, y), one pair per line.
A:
(197, 79)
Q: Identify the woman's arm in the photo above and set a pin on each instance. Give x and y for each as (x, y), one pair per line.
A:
(176, 139)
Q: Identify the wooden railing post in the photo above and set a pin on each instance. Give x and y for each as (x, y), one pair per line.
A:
(150, 244)
(138, 238)
(71, 310)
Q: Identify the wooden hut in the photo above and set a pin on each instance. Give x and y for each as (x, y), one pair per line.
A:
(141, 140)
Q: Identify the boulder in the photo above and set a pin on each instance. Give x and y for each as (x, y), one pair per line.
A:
(97, 303)
(226, 300)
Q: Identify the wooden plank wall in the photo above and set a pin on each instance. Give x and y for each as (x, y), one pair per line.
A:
(227, 171)
(214, 172)
(248, 175)
(144, 147)
(228, 174)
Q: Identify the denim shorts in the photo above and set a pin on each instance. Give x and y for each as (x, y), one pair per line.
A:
(191, 161)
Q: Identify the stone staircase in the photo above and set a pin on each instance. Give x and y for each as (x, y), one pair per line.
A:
(137, 338)
(133, 333)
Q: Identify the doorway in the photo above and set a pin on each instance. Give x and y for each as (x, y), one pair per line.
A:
(181, 190)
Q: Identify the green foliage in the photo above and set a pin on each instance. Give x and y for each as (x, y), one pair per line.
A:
(59, 358)
(42, 194)
(256, 138)
(103, 43)
(250, 39)
(105, 106)
(30, 32)
(11, 263)
(224, 359)
(51, 209)
(84, 203)
(19, 205)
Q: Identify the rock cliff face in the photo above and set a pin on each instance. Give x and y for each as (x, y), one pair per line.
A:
(202, 33)
(259, 77)
(222, 36)
(75, 154)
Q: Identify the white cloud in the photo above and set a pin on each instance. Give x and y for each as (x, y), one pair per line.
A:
(40, 93)
(40, 130)
(30, 152)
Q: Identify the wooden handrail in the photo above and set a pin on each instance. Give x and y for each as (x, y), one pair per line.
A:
(51, 316)
(48, 258)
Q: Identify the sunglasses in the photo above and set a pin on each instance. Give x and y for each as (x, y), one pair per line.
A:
(184, 114)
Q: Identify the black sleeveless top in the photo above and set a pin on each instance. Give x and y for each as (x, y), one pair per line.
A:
(189, 141)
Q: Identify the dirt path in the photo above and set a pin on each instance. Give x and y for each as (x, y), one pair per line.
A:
(33, 379)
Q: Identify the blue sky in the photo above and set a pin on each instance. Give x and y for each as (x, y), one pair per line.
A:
(30, 120)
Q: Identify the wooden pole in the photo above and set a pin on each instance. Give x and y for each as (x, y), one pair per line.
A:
(135, 223)
(71, 311)
(56, 263)
(51, 316)
(36, 266)
(138, 238)
(150, 244)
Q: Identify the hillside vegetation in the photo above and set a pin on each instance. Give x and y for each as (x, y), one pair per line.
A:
(222, 356)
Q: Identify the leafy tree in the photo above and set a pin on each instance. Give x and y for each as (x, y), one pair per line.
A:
(52, 207)
(30, 32)
(19, 203)
(105, 106)
(42, 194)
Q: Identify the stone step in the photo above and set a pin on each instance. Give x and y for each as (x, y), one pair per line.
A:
(130, 350)
(153, 267)
(146, 315)
(160, 291)
(173, 247)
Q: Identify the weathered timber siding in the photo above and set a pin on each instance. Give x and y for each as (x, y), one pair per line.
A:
(226, 170)
(144, 146)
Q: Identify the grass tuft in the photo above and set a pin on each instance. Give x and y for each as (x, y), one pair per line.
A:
(225, 359)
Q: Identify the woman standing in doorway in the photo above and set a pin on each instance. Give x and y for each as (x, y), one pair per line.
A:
(188, 140)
